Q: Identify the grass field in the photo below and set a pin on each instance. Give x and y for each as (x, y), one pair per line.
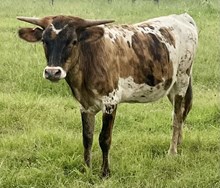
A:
(40, 127)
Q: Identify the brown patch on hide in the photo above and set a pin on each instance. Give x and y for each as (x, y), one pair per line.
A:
(167, 34)
(95, 68)
(154, 62)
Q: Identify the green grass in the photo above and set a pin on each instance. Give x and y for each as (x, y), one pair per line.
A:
(40, 128)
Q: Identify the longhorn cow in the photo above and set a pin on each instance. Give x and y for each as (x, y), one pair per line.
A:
(106, 64)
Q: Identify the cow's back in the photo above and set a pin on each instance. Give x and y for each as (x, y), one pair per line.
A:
(180, 28)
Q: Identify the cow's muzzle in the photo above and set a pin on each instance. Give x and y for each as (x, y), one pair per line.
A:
(54, 73)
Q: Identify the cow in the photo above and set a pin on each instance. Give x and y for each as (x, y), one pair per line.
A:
(106, 64)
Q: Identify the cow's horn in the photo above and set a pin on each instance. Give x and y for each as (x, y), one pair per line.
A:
(90, 23)
(42, 22)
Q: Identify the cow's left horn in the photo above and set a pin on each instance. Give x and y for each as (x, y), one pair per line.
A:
(90, 23)
(42, 22)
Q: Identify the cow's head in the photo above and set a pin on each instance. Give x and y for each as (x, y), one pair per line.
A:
(60, 35)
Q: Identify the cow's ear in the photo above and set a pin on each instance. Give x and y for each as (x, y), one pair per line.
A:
(90, 34)
(30, 34)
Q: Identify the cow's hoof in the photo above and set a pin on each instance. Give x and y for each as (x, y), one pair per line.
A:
(172, 152)
(105, 174)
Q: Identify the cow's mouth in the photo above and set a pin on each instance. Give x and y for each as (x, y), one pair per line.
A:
(54, 80)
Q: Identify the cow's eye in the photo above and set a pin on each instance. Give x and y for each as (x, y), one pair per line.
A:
(74, 42)
(44, 42)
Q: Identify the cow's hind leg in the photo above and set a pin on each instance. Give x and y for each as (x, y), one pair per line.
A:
(105, 139)
(188, 100)
(88, 121)
(177, 123)
(182, 105)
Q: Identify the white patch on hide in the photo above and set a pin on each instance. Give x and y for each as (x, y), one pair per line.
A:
(129, 91)
(57, 31)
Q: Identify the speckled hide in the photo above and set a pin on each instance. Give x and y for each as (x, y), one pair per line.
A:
(150, 60)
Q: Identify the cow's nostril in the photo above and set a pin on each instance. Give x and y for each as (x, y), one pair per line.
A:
(47, 73)
(57, 73)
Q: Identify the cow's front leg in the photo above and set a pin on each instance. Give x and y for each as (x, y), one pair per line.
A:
(88, 122)
(105, 139)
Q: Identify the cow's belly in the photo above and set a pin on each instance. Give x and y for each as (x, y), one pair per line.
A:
(129, 91)
(142, 96)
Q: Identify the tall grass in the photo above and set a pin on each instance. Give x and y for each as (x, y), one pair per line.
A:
(40, 128)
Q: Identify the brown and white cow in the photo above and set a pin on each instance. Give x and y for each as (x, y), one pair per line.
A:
(105, 65)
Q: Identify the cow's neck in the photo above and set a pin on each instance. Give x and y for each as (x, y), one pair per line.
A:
(77, 76)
